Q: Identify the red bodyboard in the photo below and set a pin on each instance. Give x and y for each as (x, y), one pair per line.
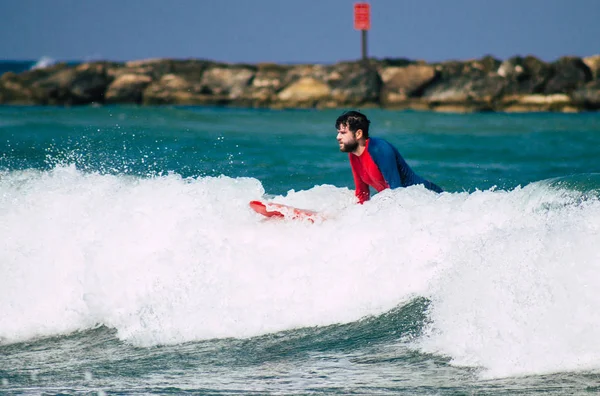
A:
(283, 211)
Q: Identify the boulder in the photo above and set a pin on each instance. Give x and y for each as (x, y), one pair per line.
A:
(394, 62)
(230, 82)
(538, 102)
(588, 96)
(569, 73)
(488, 63)
(175, 89)
(470, 68)
(156, 68)
(474, 84)
(353, 84)
(527, 75)
(127, 88)
(481, 90)
(30, 76)
(20, 89)
(306, 89)
(400, 83)
(297, 72)
(516, 84)
(84, 84)
(593, 62)
(12, 91)
(267, 81)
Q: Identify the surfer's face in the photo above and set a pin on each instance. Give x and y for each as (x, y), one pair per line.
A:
(346, 139)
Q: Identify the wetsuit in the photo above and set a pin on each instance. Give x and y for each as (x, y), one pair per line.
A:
(381, 166)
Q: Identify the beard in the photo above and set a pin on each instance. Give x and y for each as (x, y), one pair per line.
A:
(348, 148)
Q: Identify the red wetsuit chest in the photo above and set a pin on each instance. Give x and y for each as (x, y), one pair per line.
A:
(366, 173)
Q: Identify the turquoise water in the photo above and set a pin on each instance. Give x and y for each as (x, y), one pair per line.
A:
(130, 262)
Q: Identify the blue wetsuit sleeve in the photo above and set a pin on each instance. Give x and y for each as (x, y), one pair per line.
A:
(384, 156)
(394, 168)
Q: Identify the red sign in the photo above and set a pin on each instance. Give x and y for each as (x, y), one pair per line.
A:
(362, 16)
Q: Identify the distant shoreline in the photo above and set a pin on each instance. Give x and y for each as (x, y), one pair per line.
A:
(517, 84)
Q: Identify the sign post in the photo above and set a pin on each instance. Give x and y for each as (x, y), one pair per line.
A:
(362, 22)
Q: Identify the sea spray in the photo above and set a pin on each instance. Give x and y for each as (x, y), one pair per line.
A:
(168, 260)
(521, 294)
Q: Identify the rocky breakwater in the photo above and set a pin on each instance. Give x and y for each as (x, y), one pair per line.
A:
(569, 84)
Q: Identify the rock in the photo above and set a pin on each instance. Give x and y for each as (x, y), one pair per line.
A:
(511, 68)
(156, 68)
(353, 84)
(570, 73)
(537, 102)
(593, 62)
(458, 108)
(472, 68)
(527, 75)
(588, 96)
(545, 99)
(400, 83)
(488, 63)
(267, 81)
(486, 84)
(307, 89)
(297, 72)
(175, 89)
(200, 83)
(481, 90)
(148, 64)
(12, 90)
(474, 84)
(30, 76)
(19, 89)
(304, 86)
(84, 84)
(127, 88)
(230, 82)
(396, 62)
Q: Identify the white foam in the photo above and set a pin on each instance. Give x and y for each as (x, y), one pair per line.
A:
(521, 294)
(43, 62)
(166, 260)
(511, 275)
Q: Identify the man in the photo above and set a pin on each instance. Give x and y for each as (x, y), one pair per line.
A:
(374, 161)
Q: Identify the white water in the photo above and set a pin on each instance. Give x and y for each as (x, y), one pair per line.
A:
(43, 62)
(511, 275)
(521, 295)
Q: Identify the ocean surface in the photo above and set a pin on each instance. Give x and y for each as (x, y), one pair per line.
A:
(131, 263)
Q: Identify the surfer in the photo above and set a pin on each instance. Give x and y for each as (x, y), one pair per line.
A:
(374, 161)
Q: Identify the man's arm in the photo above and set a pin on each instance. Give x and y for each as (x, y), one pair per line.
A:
(384, 156)
(362, 191)
(394, 168)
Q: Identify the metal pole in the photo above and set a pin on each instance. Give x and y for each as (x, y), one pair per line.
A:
(364, 45)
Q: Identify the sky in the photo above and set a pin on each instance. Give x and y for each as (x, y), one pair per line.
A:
(295, 31)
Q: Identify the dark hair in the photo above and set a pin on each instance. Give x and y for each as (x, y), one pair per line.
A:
(355, 121)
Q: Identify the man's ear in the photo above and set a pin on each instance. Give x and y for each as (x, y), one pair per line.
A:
(359, 134)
